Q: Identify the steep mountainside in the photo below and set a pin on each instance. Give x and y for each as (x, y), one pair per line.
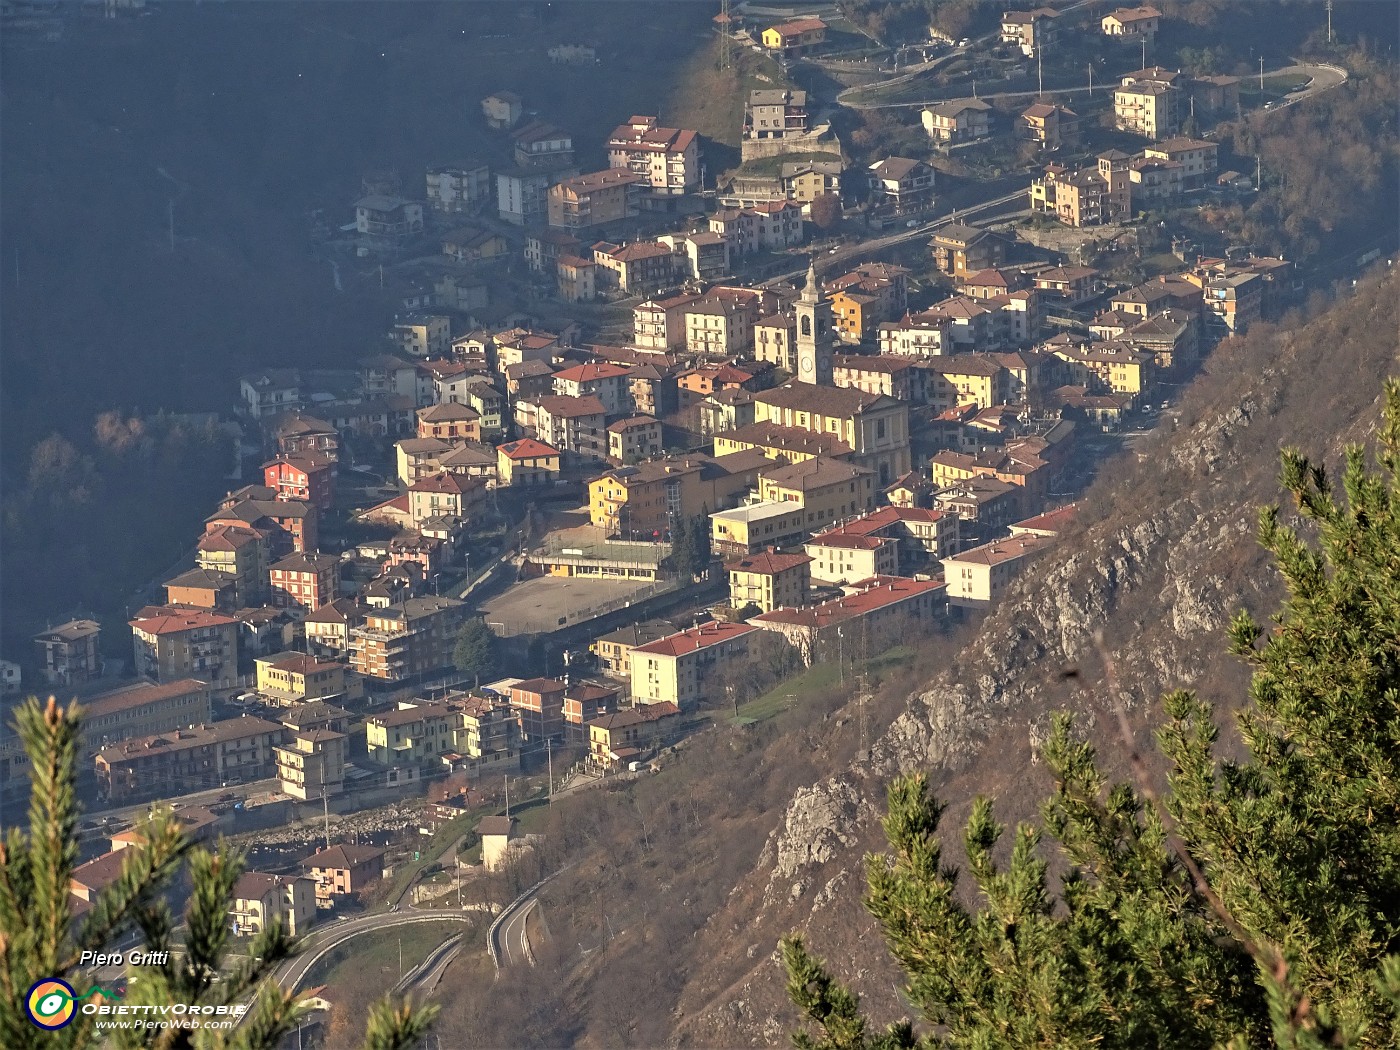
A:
(1163, 555)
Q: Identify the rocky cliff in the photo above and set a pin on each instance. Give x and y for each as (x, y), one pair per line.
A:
(1163, 554)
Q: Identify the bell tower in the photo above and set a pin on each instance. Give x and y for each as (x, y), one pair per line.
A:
(813, 332)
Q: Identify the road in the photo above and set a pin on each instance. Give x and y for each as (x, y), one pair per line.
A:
(291, 973)
(1323, 79)
(904, 233)
(423, 979)
(513, 937)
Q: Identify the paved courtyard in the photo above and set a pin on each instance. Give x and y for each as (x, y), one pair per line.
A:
(548, 603)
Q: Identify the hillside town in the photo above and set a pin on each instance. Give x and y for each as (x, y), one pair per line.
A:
(644, 433)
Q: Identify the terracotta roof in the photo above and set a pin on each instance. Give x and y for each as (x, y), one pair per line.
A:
(591, 372)
(497, 826)
(999, 551)
(343, 856)
(255, 885)
(564, 407)
(100, 872)
(447, 412)
(527, 448)
(313, 562)
(171, 619)
(823, 400)
(597, 180)
(695, 639)
(814, 473)
(638, 715)
(139, 694)
(879, 592)
(769, 564)
(633, 423)
(223, 730)
(787, 439)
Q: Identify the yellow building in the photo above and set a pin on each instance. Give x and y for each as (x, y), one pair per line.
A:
(679, 669)
(647, 499)
(826, 489)
(770, 581)
(874, 427)
(963, 379)
(779, 443)
(977, 577)
(411, 736)
(291, 678)
(526, 462)
(841, 558)
(618, 739)
(753, 527)
(1113, 365)
(259, 900)
(613, 650)
(313, 764)
(793, 37)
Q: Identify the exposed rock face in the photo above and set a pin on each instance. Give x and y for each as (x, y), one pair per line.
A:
(1153, 584)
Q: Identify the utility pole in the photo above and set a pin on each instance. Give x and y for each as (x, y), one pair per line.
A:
(549, 757)
(400, 957)
(1091, 80)
(1329, 21)
(1261, 72)
(507, 780)
(1144, 52)
(326, 809)
(1039, 75)
(724, 34)
(170, 215)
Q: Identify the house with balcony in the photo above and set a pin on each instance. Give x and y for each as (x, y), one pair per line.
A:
(406, 639)
(776, 113)
(69, 653)
(1030, 30)
(387, 221)
(456, 189)
(343, 871)
(171, 643)
(1050, 127)
(961, 120)
(903, 185)
(668, 159)
(595, 199)
(260, 899)
(414, 735)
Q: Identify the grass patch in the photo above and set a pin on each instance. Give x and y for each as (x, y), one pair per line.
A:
(378, 952)
(711, 100)
(1285, 82)
(786, 694)
(817, 677)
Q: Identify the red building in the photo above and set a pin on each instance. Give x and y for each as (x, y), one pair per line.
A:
(583, 703)
(540, 702)
(309, 477)
(304, 582)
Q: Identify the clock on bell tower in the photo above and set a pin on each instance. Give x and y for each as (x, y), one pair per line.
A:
(813, 332)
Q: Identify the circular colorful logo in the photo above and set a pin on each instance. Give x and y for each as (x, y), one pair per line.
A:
(51, 1003)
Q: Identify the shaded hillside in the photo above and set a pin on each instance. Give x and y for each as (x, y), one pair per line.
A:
(1164, 555)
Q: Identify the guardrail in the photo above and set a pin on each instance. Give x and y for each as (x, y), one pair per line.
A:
(491, 935)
